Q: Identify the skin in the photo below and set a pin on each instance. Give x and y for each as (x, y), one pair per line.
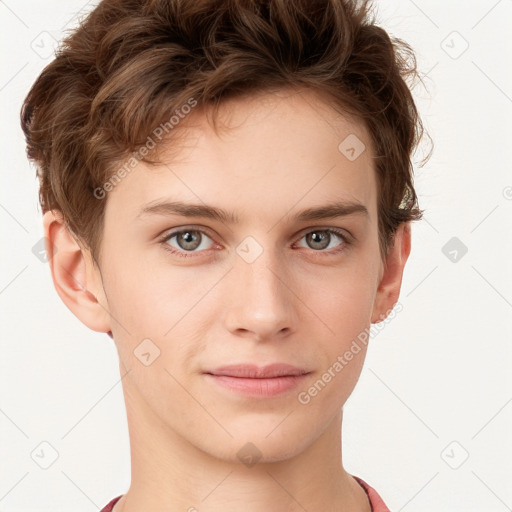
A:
(298, 303)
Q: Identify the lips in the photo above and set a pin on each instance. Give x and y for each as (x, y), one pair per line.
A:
(255, 381)
(251, 371)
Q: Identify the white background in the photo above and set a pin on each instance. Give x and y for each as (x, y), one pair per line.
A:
(437, 385)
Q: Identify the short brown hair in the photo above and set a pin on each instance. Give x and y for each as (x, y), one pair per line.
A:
(131, 64)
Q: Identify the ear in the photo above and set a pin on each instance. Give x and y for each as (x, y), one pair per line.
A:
(76, 277)
(388, 290)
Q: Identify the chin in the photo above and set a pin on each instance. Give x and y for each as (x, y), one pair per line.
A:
(251, 446)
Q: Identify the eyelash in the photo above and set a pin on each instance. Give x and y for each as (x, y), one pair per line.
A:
(184, 254)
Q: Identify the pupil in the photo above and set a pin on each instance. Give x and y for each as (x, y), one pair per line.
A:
(319, 237)
(190, 240)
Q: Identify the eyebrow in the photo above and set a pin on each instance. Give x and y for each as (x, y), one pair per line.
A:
(329, 211)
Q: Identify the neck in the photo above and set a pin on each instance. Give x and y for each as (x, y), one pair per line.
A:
(170, 474)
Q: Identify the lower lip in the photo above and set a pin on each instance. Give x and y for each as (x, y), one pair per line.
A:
(258, 387)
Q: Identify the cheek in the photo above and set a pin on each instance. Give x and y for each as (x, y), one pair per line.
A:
(346, 310)
(149, 298)
(345, 305)
(345, 300)
(167, 306)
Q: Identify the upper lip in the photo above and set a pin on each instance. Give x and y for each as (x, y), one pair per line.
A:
(252, 371)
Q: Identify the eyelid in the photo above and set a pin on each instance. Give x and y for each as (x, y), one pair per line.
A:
(203, 229)
(168, 235)
(343, 233)
(345, 237)
(345, 241)
(175, 231)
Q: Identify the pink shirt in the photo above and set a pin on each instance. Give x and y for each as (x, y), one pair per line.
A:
(376, 502)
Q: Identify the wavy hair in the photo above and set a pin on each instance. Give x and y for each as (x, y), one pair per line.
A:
(131, 63)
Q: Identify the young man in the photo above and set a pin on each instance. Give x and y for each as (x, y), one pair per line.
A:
(227, 193)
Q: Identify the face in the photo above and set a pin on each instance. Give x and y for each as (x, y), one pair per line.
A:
(271, 277)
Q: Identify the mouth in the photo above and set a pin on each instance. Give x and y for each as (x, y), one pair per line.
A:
(251, 380)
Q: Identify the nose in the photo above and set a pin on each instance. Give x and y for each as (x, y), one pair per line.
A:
(263, 304)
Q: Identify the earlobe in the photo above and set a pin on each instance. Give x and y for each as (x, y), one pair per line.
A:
(388, 290)
(75, 279)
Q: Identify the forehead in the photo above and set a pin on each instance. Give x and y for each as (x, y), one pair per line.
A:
(270, 152)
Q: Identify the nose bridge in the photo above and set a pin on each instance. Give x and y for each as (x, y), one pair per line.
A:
(264, 277)
(261, 301)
